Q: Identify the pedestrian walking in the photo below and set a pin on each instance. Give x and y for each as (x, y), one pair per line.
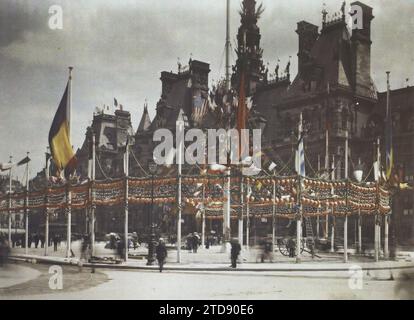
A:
(235, 252)
(121, 248)
(266, 251)
(291, 247)
(189, 243)
(55, 242)
(85, 248)
(42, 240)
(36, 240)
(22, 241)
(4, 251)
(161, 252)
(195, 240)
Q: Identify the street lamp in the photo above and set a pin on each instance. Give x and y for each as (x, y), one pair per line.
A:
(152, 166)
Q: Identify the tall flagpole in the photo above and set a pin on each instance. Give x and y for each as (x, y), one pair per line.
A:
(69, 193)
(376, 228)
(227, 211)
(300, 163)
(203, 218)
(26, 237)
(179, 154)
(247, 214)
(347, 185)
(386, 221)
(69, 110)
(126, 169)
(228, 84)
(10, 202)
(46, 209)
(274, 213)
(93, 208)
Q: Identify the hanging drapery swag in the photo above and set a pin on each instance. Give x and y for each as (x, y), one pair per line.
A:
(319, 197)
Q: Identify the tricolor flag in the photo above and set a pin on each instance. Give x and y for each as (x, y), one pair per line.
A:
(389, 152)
(59, 138)
(200, 107)
(300, 152)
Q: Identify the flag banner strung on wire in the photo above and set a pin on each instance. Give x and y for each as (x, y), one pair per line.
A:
(59, 141)
(337, 198)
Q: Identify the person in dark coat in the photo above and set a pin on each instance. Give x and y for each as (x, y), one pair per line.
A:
(13, 239)
(235, 251)
(189, 243)
(266, 251)
(55, 242)
(42, 240)
(36, 240)
(161, 251)
(85, 248)
(291, 247)
(194, 240)
(4, 250)
(121, 249)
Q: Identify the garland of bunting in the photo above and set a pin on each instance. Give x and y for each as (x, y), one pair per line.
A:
(318, 197)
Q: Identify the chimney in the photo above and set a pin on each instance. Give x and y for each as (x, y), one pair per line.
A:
(167, 79)
(361, 46)
(308, 33)
(199, 71)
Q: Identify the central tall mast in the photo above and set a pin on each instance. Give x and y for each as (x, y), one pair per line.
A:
(228, 84)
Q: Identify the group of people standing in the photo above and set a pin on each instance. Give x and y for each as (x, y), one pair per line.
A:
(193, 242)
(35, 240)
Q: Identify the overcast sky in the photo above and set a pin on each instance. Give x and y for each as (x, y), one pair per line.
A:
(118, 49)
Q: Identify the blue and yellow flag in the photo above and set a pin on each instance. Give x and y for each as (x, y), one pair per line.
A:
(59, 140)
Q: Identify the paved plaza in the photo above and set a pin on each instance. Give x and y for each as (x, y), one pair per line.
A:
(106, 284)
(206, 275)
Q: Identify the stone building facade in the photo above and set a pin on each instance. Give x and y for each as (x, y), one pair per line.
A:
(333, 90)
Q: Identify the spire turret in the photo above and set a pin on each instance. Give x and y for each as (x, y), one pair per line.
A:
(249, 53)
(145, 122)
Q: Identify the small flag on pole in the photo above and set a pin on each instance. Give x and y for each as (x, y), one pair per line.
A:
(300, 153)
(23, 161)
(6, 166)
(389, 156)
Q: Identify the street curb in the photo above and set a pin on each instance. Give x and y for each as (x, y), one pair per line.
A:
(75, 262)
